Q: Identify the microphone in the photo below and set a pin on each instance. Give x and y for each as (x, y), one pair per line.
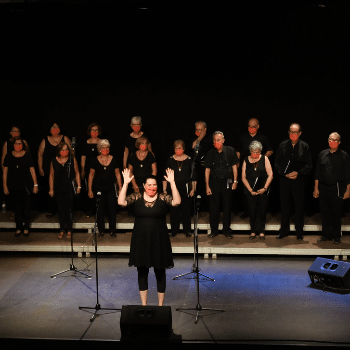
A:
(73, 144)
(198, 202)
(197, 146)
(98, 198)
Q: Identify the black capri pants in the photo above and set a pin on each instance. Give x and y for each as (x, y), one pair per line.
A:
(143, 278)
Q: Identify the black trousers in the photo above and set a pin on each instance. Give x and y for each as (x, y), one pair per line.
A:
(143, 279)
(292, 188)
(48, 203)
(108, 200)
(257, 206)
(21, 202)
(220, 195)
(182, 211)
(65, 210)
(331, 208)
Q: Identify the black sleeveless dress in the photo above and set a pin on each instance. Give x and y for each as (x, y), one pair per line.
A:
(150, 243)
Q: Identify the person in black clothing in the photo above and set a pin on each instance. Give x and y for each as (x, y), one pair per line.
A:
(142, 163)
(253, 134)
(19, 180)
(104, 184)
(182, 166)
(63, 171)
(47, 151)
(201, 143)
(89, 154)
(14, 131)
(220, 164)
(136, 125)
(256, 177)
(332, 186)
(150, 243)
(293, 162)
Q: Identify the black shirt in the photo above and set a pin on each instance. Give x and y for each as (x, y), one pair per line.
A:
(205, 145)
(333, 167)
(64, 175)
(18, 173)
(142, 168)
(289, 158)
(220, 163)
(130, 143)
(256, 176)
(246, 139)
(104, 178)
(90, 152)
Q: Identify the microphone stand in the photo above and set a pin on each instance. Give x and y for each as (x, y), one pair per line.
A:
(71, 266)
(97, 306)
(195, 267)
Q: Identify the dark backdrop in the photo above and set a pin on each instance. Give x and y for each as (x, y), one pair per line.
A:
(174, 63)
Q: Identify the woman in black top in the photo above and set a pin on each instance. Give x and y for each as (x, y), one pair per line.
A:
(14, 131)
(142, 163)
(182, 166)
(104, 178)
(63, 171)
(89, 154)
(47, 151)
(19, 180)
(136, 125)
(256, 177)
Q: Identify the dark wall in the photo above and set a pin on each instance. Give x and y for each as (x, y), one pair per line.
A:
(174, 64)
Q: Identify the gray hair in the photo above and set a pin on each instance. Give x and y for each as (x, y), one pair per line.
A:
(200, 121)
(136, 119)
(103, 143)
(220, 133)
(255, 146)
(339, 138)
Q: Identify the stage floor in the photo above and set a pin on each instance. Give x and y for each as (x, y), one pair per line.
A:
(267, 300)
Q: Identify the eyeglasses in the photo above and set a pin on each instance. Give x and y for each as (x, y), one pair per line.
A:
(333, 140)
(293, 132)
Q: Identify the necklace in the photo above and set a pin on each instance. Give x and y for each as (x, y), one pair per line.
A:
(179, 164)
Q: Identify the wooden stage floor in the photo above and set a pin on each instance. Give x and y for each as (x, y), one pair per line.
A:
(43, 238)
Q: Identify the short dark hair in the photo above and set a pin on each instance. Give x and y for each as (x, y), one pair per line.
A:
(13, 141)
(91, 126)
(50, 126)
(139, 140)
(150, 177)
(60, 146)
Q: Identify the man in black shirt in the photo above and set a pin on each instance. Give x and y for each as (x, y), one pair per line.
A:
(201, 143)
(253, 134)
(220, 164)
(292, 162)
(332, 186)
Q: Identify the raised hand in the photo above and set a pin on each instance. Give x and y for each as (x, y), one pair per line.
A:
(169, 175)
(126, 176)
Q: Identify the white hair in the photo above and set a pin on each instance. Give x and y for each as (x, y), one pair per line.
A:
(255, 145)
(220, 133)
(136, 119)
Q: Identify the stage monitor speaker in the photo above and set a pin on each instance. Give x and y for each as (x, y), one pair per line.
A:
(330, 273)
(145, 321)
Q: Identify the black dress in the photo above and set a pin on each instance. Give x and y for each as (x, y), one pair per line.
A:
(142, 168)
(150, 243)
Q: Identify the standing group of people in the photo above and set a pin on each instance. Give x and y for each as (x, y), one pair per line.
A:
(213, 171)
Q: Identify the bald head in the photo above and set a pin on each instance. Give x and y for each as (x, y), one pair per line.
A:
(253, 126)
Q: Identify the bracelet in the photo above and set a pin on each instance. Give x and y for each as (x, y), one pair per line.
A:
(265, 189)
(36, 185)
(235, 181)
(79, 187)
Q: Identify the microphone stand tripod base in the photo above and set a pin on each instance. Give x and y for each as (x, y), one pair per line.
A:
(198, 309)
(71, 268)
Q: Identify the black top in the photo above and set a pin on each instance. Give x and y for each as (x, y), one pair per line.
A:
(205, 145)
(130, 143)
(142, 168)
(104, 179)
(333, 167)
(256, 174)
(245, 140)
(182, 171)
(90, 152)
(49, 154)
(63, 183)
(18, 174)
(150, 243)
(289, 158)
(220, 163)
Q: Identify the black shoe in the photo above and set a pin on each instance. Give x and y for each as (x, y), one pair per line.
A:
(280, 236)
(188, 234)
(26, 234)
(213, 234)
(252, 237)
(228, 235)
(336, 240)
(113, 235)
(323, 239)
(300, 238)
(262, 237)
(17, 234)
